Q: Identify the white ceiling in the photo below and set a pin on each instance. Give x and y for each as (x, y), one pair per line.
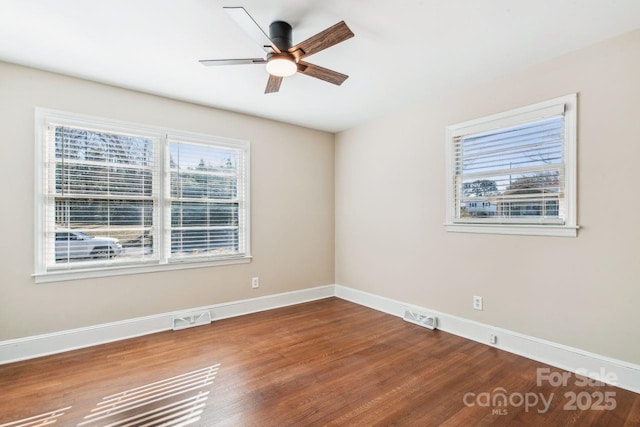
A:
(403, 51)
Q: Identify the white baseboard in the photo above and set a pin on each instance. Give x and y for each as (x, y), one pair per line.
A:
(550, 353)
(43, 345)
(558, 355)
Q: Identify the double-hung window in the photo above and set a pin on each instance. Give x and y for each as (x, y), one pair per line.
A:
(118, 198)
(514, 172)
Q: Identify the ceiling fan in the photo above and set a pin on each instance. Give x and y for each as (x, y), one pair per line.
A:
(283, 58)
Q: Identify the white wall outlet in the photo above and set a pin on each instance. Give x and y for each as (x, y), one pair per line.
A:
(255, 282)
(493, 339)
(477, 303)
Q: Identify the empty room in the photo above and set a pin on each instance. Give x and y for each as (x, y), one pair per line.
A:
(310, 213)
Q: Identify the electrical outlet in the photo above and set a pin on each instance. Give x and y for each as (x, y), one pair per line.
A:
(477, 303)
(255, 282)
(493, 339)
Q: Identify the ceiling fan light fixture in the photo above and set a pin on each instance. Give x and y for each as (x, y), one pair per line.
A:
(281, 65)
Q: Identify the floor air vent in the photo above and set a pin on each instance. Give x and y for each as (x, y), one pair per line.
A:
(421, 319)
(189, 320)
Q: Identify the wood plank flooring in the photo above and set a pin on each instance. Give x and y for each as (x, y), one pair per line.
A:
(328, 362)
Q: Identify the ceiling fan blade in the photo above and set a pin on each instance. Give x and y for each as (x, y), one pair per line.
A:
(210, 62)
(273, 85)
(251, 27)
(321, 73)
(324, 39)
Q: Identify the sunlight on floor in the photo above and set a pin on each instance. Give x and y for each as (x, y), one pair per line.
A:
(45, 419)
(175, 401)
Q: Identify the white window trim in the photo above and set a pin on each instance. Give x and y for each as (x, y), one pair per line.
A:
(512, 118)
(43, 116)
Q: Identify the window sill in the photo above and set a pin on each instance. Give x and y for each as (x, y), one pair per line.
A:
(59, 276)
(518, 229)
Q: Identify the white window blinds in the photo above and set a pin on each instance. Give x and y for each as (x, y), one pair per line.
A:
(512, 174)
(100, 197)
(516, 168)
(206, 194)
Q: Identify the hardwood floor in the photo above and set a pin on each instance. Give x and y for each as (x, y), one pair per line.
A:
(328, 362)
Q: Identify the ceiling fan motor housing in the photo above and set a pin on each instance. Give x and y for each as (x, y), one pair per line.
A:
(281, 34)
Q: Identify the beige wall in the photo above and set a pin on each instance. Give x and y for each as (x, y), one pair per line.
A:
(583, 292)
(292, 192)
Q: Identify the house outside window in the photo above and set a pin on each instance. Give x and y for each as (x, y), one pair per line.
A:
(514, 172)
(118, 198)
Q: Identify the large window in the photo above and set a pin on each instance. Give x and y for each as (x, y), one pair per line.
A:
(514, 172)
(117, 198)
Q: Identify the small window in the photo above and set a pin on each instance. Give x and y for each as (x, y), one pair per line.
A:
(514, 172)
(118, 198)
